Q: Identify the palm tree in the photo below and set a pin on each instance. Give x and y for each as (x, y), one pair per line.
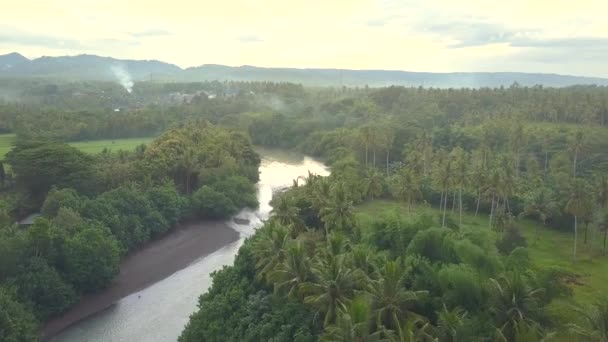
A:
(596, 319)
(546, 140)
(287, 213)
(321, 193)
(493, 191)
(576, 206)
(365, 134)
(515, 301)
(450, 323)
(413, 329)
(270, 248)
(406, 187)
(460, 175)
(373, 183)
(541, 205)
(443, 179)
(391, 300)
(353, 324)
(602, 225)
(331, 287)
(576, 145)
(362, 258)
(338, 211)
(293, 272)
(601, 191)
(388, 137)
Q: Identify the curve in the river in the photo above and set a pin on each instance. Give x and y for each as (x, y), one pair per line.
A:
(160, 311)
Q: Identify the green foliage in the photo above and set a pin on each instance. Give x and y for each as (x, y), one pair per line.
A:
(43, 288)
(511, 239)
(461, 287)
(92, 259)
(58, 198)
(252, 313)
(435, 244)
(167, 201)
(209, 203)
(41, 165)
(17, 324)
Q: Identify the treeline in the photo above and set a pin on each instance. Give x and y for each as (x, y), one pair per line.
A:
(96, 209)
(317, 272)
(81, 111)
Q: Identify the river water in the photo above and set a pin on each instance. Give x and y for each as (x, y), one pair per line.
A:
(160, 311)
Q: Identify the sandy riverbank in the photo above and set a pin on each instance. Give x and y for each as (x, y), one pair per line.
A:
(152, 263)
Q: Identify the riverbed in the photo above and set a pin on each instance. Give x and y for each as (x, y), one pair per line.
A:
(160, 310)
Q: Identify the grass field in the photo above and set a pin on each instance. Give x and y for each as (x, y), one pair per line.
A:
(96, 146)
(92, 146)
(553, 248)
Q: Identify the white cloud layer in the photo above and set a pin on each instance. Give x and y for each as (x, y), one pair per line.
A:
(557, 36)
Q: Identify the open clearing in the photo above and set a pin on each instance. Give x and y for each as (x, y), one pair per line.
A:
(91, 146)
(553, 248)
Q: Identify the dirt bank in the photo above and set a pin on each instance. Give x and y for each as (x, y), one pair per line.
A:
(152, 263)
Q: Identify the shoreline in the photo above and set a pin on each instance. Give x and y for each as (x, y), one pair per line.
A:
(146, 266)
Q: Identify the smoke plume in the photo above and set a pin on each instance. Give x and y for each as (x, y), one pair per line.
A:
(123, 77)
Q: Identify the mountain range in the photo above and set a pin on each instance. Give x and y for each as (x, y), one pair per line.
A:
(92, 67)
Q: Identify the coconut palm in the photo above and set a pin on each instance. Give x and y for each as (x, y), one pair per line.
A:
(602, 225)
(287, 213)
(515, 301)
(601, 191)
(406, 187)
(338, 210)
(443, 179)
(539, 204)
(366, 137)
(330, 288)
(363, 259)
(450, 324)
(460, 175)
(493, 189)
(321, 192)
(576, 145)
(387, 137)
(577, 206)
(270, 248)
(391, 300)
(596, 320)
(354, 324)
(295, 270)
(373, 183)
(413, 329)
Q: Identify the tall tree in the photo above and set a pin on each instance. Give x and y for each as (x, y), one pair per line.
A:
(331, 287)
(392, 302)
(338, 211)
(373, 183)
(541, 205)
(406, 187)
(576, 206)
(576, 145)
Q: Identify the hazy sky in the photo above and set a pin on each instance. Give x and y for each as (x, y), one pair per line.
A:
(566, 37)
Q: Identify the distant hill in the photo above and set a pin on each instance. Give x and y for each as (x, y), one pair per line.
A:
(11, 60)
(91, 67)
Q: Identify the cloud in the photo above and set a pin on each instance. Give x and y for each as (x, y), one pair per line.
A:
(250, 39)
(14, 36)
(151, 33)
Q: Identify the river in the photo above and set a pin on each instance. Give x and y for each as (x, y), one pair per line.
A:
(160, 311)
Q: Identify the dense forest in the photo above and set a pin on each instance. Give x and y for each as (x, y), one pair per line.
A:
(96, 209)
(317, 269)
